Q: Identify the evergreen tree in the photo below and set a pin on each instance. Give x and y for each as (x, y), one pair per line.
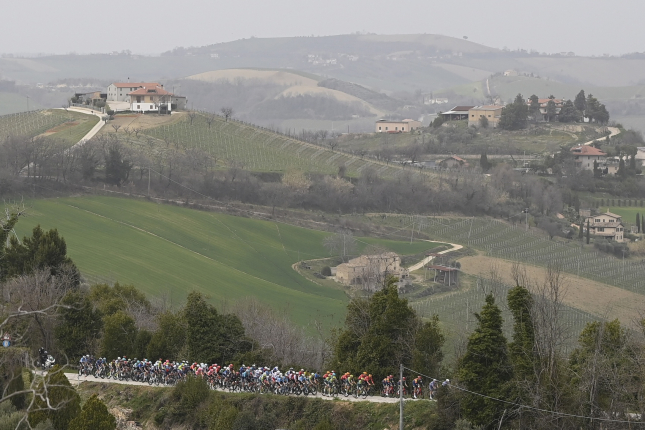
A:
(428, 342)
(520, 350)
(79, 325)
(643, 224)
(514, 115)
(484, 163)
(638, 222)
(485, 367)
(568, 112)
(551, 110)
(41, 250)
(588, 232)
(534, 107)
(64, 402)
(580, 230)
(170, 337)
(378, 334)
(117, 169)
(94, 415)
(597, 173)
(580, 103)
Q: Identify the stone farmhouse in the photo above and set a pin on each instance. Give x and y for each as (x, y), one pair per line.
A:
(607, 225)
(369, 271)
(405, 126)
(145, 97)
(120, 91)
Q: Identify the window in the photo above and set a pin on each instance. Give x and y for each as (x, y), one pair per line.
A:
(611, 220)
(150, 106)
(601, 229)
(402, 128)
(396, 128)
(379, 129)
(473, 116)
(138, 107)
(489, 116)
(596, 220)
(385, 128)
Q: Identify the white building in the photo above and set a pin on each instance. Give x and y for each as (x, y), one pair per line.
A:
(151, 99)
(118, 91)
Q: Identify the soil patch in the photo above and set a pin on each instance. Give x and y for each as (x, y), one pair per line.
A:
(596, 298)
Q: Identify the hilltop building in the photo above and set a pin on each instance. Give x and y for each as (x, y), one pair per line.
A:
(457, 113)
(607, 225)
(405, 126)
(492, 113)
(585, 155)
(155, 99)
(119, 91)
(370, 271)
(543, 104)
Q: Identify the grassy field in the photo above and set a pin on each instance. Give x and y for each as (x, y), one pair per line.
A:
(14, 102)
(67, 126)
(171, 250)
(628, 213)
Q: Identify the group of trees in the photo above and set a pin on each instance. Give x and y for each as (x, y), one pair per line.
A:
(515, 114)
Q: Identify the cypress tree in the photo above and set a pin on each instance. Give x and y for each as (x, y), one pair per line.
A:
(580, 230)
(588, 232)
(638, 222)
(485, 367)
(521, 349)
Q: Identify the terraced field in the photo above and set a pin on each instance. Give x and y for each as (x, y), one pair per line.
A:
(261, 149)
(168, 250)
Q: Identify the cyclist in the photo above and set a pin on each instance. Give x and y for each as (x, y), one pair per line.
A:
(417, 383)
(433, 388)
(405, 386)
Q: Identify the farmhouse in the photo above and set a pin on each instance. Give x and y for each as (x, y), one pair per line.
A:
(155, 99)
(405, 126)
(456, 113)
(640, 156)
(491, 112)
(370, 270)
(119, 91)
(585, 155)
(608, 225)
(453, 162)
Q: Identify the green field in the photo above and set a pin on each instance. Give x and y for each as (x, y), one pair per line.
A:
(169, 250)
(628, 213)
(34, 123)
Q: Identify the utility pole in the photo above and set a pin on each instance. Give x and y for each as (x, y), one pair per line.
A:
(412, 232)
(401, 397)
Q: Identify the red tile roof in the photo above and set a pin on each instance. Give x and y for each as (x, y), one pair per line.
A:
(150, 91)
(135, 84)
(588, 150)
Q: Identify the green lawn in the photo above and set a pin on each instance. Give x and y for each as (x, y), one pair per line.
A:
(164, 249)
(628, 213)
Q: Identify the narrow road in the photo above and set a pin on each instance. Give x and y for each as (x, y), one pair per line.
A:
(613, 131)
(78, 380)
(428, 259)
(90, 134)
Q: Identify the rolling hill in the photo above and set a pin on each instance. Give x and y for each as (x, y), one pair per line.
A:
(168, 250)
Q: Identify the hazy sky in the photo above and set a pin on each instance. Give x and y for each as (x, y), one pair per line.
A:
(151, 26)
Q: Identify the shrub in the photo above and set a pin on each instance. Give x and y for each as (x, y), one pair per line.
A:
(61, 396)
(188, 395)
(94, 416)
(326, 271)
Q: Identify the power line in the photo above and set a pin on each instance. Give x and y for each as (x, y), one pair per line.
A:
(521, 406)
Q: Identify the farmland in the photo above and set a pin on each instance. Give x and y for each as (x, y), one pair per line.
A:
(261, 149)
(67, 126)
(167, 250)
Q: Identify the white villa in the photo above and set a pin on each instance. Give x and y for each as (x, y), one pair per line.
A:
(608, 225)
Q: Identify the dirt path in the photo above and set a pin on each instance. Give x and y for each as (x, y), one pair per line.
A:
(598, 299)
(426, 260)
(613, 131)
(76, 380)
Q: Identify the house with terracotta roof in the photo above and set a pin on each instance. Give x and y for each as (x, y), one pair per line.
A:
(585, 155)
(118, 91)
(607, 225)
(453, 162)
(404, 126)
(153, 99)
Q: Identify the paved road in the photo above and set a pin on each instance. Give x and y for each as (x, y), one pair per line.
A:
(76, 380)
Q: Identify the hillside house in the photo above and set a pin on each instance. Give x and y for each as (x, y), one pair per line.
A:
(453, 162)
(369, 271)
(404, 126)
(119, 91)
(457, 113)
(585, 155)
(492, 113)
(543, 104)
(607, 225)
(640, 157)
(90, 98)
(155, 99)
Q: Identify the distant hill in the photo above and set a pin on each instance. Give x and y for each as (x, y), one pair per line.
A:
(378, 100)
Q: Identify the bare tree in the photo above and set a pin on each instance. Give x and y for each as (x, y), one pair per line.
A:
(116, 127)
(227, 113)
(209, 119)
(332, 143)
(191, 116)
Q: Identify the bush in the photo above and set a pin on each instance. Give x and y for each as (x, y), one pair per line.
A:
(110, 112)
(611, 247)
(94, 416)
(188, 395)
(326, 271)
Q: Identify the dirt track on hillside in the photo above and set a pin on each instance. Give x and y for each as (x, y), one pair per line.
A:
(599, 299)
